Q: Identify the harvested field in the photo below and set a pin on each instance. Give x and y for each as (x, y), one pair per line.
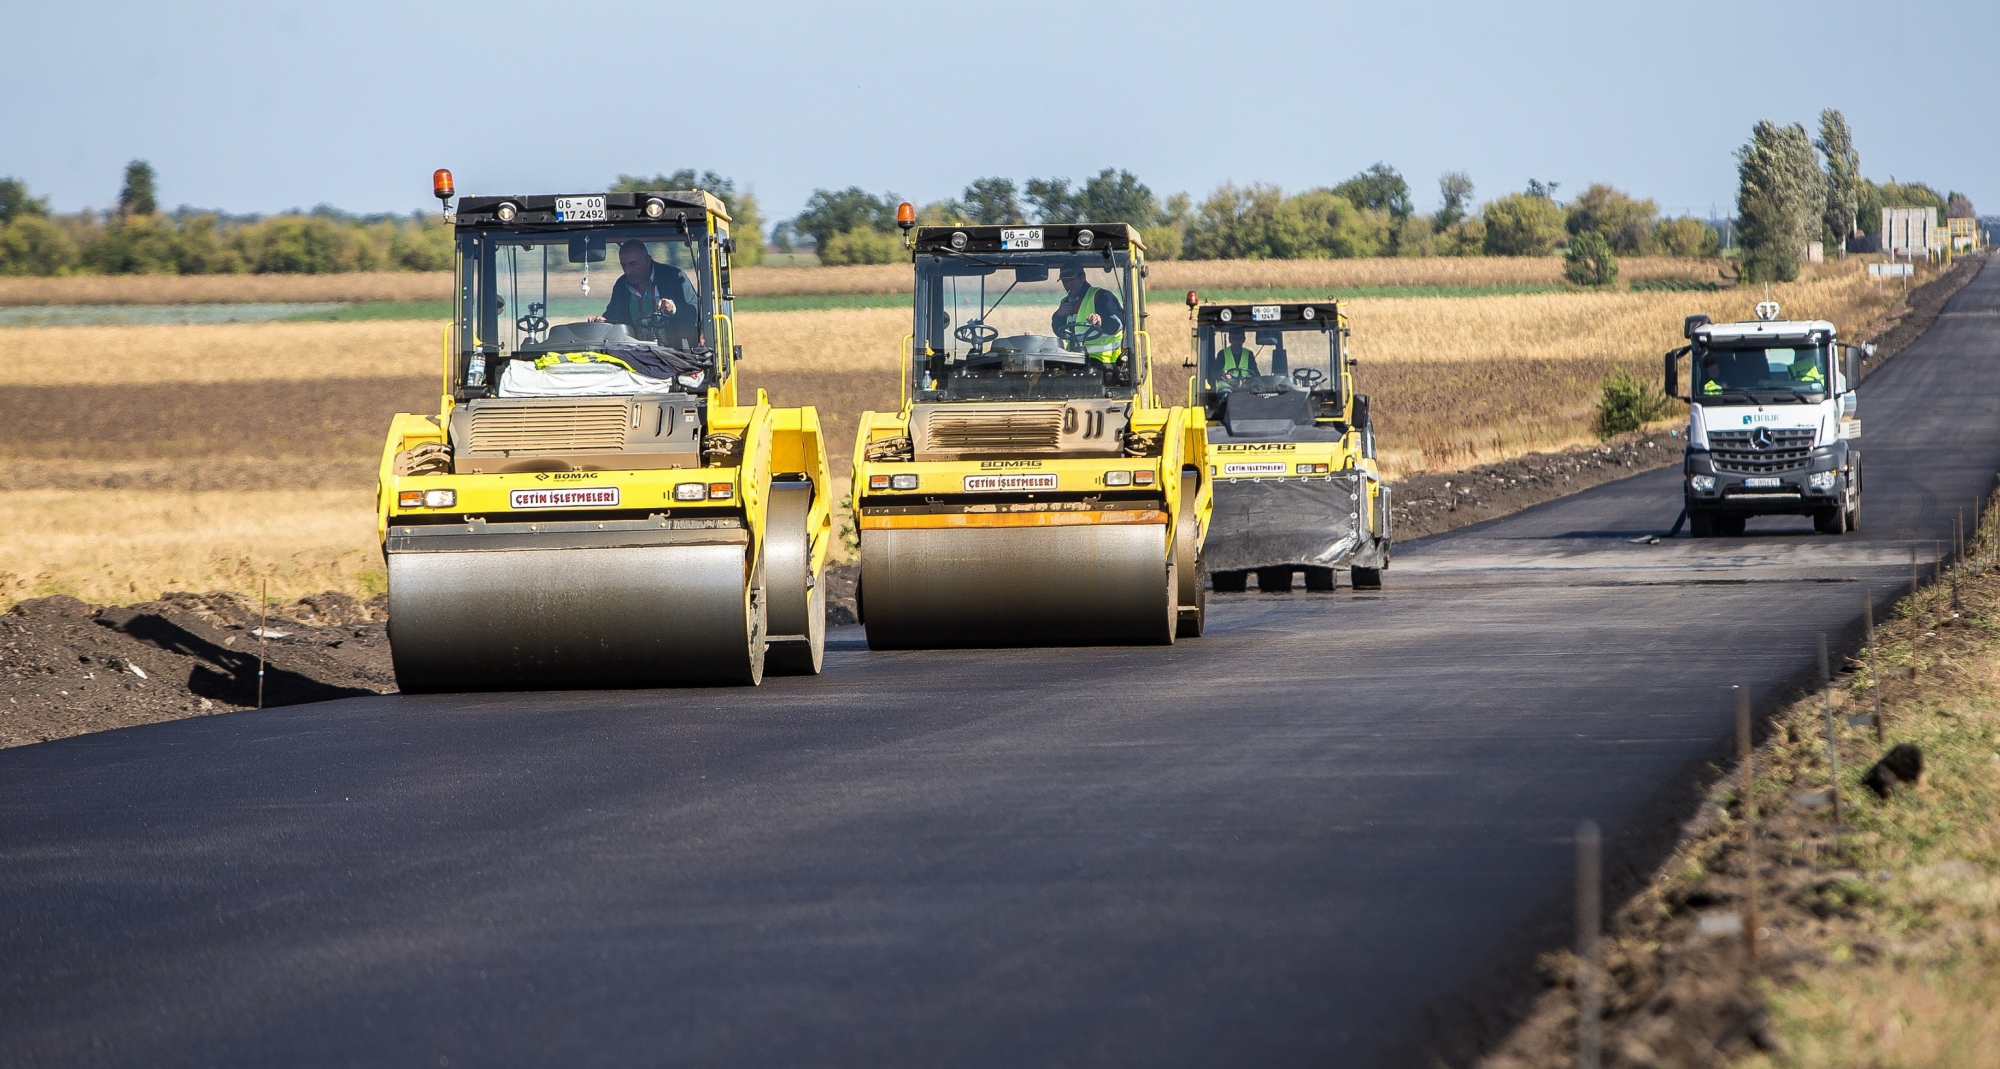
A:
(323, 420)
(222, 352)
(860, 279)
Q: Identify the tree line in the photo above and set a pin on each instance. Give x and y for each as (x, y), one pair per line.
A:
(1793, 189)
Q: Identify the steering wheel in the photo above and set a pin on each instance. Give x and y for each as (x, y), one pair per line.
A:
(655, 321)
(1307, 378)
(975, 333)
(1237, 377)
(534, 322)
(1070, 332)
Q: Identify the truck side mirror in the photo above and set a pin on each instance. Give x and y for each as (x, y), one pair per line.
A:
(1670, 383)
(1691, 324)
(1853, 369)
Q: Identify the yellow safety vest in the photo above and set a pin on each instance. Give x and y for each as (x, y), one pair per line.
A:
(1104, 349)
(1234, 359)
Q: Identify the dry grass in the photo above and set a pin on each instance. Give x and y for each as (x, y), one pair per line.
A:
(232, 352)
(804, 281)
(126, 545)
(228, 289)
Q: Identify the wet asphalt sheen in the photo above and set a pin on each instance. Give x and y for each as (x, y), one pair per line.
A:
(1271, 846)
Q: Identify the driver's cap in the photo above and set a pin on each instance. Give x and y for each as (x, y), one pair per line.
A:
(1070, 269)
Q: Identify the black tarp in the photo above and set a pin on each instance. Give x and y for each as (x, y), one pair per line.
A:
(1316, 521)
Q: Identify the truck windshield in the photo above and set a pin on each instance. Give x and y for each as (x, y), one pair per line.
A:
(1762, 375)
(1270, 358)
(1042, 326)
(531, 293)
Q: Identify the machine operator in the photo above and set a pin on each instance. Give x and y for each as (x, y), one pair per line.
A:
(1095, 320)
(1234, 361)
(648, 287)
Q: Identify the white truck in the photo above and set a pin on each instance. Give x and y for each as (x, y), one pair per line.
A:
(1773, 423)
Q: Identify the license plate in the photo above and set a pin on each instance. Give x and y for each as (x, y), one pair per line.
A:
(1760, 484)
(1042, 481)
(582, 497)
(580, 209)
(1264, 313)
(1024, 238)
(1258, 468)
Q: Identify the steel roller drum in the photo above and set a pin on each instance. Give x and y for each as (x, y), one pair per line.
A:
(1086, 585)
(528, 619)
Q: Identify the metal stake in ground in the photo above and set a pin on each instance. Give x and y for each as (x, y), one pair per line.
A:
(1874, 671)
(1747, 803)
(263, 604)
(1832, 750)
(1589, 1001)
(1913, 569)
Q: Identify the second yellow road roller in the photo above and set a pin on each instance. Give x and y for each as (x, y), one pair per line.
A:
(594, 504)
(1030, 491)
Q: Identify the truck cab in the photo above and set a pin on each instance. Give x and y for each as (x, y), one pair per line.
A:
(1774, 423)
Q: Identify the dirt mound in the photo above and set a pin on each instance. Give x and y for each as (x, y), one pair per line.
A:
(67, 668)
(1436, 502)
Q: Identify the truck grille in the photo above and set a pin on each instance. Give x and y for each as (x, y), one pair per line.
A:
(995, 429)
(1764, 451)
(595, 426)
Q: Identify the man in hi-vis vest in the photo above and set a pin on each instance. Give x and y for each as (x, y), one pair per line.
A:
(1235, 361)
(1089, 320)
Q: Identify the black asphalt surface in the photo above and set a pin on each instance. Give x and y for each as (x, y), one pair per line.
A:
(1271, 846)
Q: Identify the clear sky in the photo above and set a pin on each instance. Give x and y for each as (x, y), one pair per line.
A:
(271, 105)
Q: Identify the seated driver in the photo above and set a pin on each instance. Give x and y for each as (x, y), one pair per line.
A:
(647, 287)
(1235, 361)
(1084, 307)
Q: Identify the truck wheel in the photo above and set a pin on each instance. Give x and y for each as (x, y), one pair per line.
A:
(1831, 521)
(1321, 579)
(1731, 526)
(1701, 525)
(1854, 516)
(1229, 582)
(1275, 580)
(1366, 578)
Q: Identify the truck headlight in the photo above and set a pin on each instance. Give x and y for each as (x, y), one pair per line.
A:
(1823, 480)
(1702, 483)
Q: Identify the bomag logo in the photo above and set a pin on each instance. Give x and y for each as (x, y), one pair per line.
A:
(1002, 465)
(1273, 447)
(562, 476)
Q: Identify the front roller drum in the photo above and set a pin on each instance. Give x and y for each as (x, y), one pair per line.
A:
(797, 593)
(537, 619)
(1087, 585)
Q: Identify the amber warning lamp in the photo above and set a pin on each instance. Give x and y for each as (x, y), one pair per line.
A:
(441, 186)
(906, 216)
(1193, 298)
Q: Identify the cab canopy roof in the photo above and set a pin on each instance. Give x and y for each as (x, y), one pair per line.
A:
(619, 208)
(1047, 237)
(1758, 330)
(1251, 316)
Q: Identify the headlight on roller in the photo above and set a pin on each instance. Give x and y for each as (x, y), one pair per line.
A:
(1823, 480)
(1702, 483)
(690, 491)
(902, 482)
(1117, 478)
(440, 499)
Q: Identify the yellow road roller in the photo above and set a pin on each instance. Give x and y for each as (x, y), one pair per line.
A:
(594, 505)
(1291, 448)
(1030, 491)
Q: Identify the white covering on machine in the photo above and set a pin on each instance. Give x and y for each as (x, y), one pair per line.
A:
(523, 379)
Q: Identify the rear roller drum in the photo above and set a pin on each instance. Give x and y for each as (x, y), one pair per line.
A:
(797, 642)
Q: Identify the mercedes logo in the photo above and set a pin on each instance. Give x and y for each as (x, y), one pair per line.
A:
(1761, 438)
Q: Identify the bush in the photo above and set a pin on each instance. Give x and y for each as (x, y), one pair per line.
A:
(1686, 237)
(1625, 222)
(298, 244)
(863, 245)
(1589, 260)
(1627, 404)
(1524, 224)
(31, 245)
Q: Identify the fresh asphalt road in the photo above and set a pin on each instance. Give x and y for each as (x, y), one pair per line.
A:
(1271, 846)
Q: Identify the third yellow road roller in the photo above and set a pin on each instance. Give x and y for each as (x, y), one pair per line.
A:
(1030, 491)
(594, 504)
